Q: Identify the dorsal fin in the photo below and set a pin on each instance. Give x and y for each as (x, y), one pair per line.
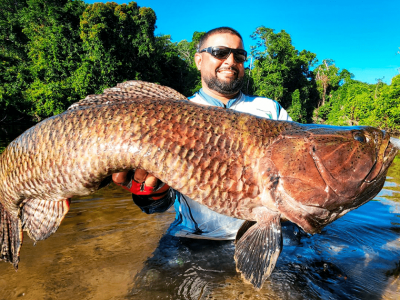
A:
(129, 91)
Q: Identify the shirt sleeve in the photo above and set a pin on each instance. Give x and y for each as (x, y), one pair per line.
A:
(283, 115)
(149, 206)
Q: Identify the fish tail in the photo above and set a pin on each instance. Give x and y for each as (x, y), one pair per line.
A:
(10, 237)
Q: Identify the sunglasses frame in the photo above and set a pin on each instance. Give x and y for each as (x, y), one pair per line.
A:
(235, 52)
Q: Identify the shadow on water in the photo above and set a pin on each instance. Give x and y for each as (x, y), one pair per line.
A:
(106, 248)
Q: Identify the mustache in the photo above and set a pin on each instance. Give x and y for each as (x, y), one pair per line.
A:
(231, 68)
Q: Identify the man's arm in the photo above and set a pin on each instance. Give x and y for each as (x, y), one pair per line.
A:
(148, 192)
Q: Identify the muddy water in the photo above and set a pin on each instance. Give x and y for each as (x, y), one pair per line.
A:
(106, 248)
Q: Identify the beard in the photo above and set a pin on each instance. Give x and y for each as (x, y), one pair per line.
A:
(224, 87)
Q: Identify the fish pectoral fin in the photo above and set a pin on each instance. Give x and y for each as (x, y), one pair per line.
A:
(258, 248)
(243, 229)
(41, 218)
(10, 237)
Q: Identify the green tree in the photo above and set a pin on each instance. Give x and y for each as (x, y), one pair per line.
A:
(191, 76)
(296, 110)
(171, 69)
(39, 52)
(52, 27)
(359, 103)
(387, 106)
(351, 104)
(55, 52)
(279, 70)
(118, 43)
(14, 72)
(328, 78)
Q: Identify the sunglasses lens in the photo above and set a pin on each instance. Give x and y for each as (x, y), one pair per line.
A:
(239, 54)
(240, 57)
(221, 53)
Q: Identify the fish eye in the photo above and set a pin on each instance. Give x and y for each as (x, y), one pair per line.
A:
(358, 136)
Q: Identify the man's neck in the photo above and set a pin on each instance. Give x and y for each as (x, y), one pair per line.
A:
(223, 98)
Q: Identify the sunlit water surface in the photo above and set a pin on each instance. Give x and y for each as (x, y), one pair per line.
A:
(106, 248)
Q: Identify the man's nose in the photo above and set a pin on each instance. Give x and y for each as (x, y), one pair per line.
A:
(230, 59)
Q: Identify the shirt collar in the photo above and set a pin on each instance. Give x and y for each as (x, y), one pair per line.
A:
(215, 102)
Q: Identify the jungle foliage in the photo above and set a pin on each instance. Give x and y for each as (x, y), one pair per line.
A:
(55, 52)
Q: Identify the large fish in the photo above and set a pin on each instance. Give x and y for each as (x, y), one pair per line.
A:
(255, 169)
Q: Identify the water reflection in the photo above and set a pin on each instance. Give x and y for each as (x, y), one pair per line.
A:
(185, 268)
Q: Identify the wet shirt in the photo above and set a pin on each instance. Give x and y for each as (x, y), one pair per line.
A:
(192, 219)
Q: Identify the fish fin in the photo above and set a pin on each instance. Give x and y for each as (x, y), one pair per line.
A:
(242, 230)
(41, 218)
(258, 249)
(127, 92)
(10, 237)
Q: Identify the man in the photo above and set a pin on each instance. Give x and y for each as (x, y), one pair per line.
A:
(220, 60)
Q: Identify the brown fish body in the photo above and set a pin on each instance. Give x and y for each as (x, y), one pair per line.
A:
(193, 148)
(234, 163)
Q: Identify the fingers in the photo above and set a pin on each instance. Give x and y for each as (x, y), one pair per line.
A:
(143, 176)
(151, 180)
(140, 175)
(119, 177)
(137, 187)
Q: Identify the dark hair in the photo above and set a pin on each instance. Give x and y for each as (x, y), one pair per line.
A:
(204, 38)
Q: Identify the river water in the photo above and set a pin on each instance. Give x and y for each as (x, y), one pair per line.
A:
(106, 248)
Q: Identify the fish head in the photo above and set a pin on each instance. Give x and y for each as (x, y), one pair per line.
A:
(323, 172)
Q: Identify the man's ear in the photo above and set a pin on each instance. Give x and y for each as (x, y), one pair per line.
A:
(197, 59)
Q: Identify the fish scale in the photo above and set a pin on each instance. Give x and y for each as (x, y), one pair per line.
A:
(237, 164)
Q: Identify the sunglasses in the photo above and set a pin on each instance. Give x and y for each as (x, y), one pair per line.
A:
(221, 52)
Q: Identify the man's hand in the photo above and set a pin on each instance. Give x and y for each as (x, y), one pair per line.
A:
(142, 183)
(148, 179)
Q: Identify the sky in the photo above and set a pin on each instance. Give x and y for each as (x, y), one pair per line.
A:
(362, 36)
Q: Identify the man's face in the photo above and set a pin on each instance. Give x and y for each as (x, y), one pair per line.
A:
(224, 76)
